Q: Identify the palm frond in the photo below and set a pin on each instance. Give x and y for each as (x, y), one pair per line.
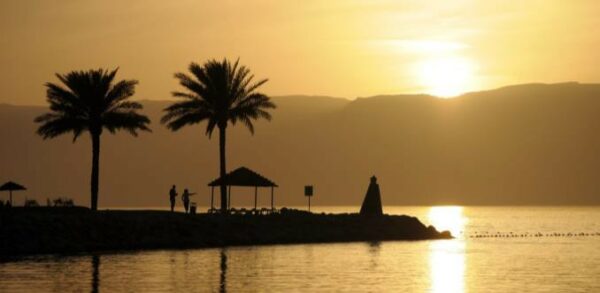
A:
(219, 92)
(130, 121)
(186, 118)
(190, 84)
(54, 125)
(88, 101)
(190, 96)
(121, 91)
(127, 105)
(176, 110)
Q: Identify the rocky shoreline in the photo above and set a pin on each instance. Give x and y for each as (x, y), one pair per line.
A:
(29, 231)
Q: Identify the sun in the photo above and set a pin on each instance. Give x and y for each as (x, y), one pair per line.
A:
(448, 218)
(446, 77)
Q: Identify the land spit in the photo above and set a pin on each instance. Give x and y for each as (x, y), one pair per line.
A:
(42, 230)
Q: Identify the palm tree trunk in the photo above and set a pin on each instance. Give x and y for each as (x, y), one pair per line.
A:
(222, 169)
(95, 170)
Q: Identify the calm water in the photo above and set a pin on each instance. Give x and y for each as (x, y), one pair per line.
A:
(466, 264)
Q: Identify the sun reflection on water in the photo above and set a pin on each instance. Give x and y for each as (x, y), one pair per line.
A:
(448, 218)
(447, 257)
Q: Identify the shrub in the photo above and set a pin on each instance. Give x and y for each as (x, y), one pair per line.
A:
(63, 202)
(31, 203)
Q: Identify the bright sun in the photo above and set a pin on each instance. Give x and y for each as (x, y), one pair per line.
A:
(448, 218)
(446, 77)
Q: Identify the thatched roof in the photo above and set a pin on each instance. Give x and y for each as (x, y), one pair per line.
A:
(11, 186)
(243, 177)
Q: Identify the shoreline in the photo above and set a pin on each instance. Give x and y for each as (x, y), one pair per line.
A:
(70, 231)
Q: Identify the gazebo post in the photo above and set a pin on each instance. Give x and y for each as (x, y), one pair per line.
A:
(229, 197)
(10, 192)
(272, 206)
(255, 196)
(212, 198)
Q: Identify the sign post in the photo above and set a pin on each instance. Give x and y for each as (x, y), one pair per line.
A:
(308, 192)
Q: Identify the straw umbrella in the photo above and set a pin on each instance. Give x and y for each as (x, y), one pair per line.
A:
(11, 186)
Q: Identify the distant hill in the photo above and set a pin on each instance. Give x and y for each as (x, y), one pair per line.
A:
(525, 144)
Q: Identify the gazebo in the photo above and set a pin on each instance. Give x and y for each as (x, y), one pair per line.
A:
(242, 177)
(10, 187)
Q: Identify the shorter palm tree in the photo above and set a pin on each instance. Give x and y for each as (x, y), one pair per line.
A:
(89, 102)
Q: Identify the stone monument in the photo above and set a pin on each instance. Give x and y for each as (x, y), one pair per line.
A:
(371, 205)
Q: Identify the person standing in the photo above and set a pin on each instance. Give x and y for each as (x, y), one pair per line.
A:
(185, 197)
(172, 197)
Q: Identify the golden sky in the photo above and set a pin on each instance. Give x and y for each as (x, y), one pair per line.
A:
(345, 48)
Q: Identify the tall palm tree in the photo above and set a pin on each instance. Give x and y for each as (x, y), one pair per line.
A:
(219, 93)
(90, 101)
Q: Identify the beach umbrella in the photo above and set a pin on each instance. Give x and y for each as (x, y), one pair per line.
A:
(11, 186)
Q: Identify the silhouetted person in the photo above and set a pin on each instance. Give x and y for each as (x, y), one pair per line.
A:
(185, 197)
(371, 205)
(172, 197)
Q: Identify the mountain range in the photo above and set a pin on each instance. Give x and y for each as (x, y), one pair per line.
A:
(525, 144)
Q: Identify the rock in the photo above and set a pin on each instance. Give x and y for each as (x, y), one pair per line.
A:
(49, 230)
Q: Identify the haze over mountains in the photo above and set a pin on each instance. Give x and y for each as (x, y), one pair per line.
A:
(525, 144)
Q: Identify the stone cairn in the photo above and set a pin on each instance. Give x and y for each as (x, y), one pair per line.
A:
(371, 205)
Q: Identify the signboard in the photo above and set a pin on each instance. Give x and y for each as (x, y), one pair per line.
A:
(308, 190)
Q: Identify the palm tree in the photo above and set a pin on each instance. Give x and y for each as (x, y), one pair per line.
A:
(219, 93)
(90, 101)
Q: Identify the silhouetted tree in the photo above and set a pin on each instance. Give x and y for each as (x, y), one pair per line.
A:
(220, 93)
(90, 101)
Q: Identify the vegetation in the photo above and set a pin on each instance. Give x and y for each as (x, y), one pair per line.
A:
(63, 202)
(29, 203)
(90, 101)
(219, 93)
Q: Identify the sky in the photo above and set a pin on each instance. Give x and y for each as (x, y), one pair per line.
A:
(342, 48)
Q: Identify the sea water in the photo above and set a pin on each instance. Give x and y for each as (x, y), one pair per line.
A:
(496, 249)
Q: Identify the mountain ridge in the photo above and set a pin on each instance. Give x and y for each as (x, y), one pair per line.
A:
(308, 96)
(532, 145)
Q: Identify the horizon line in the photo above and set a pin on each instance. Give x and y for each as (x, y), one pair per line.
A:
(43, 102)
